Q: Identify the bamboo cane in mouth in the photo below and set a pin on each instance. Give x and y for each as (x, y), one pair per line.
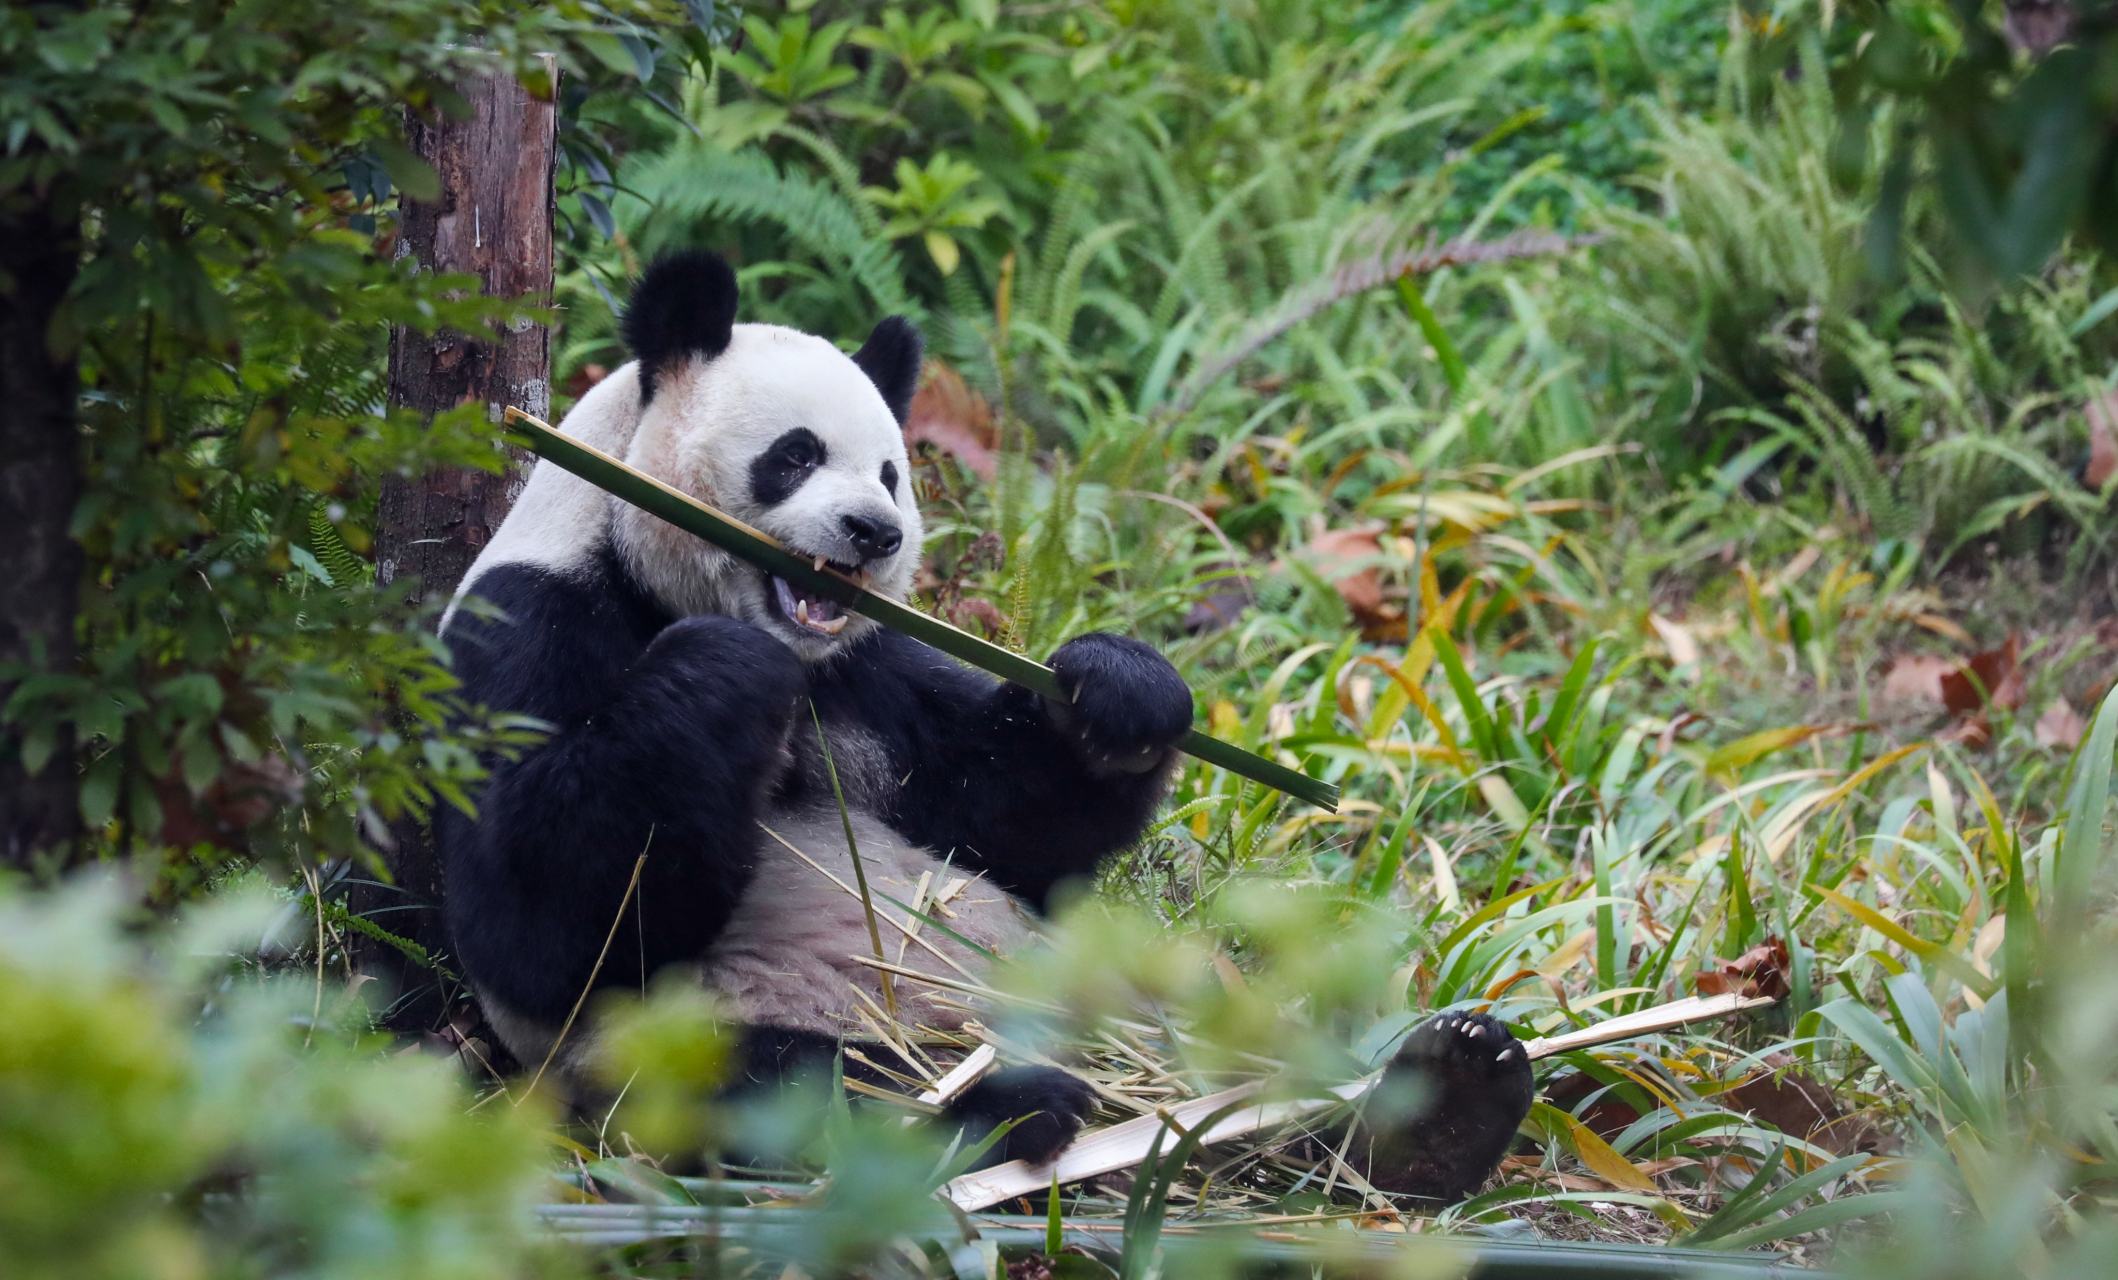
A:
(762, 550)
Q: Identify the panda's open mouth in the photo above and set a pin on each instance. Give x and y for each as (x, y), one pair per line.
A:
(805, 609)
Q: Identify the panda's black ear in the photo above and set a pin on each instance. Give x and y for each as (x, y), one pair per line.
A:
(684, 306)
(890, 357)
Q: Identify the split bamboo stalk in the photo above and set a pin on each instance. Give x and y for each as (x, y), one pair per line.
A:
(760, 549)
(1122, 1146)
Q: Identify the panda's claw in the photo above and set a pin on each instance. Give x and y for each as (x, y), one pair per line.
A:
(1469, 1086)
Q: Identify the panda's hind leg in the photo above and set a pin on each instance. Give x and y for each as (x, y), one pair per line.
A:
(1446, 1109)
(1046, 1104)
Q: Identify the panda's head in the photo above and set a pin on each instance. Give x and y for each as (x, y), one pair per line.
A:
(779, 429)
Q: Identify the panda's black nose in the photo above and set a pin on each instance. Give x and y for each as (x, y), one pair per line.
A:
(873, 539)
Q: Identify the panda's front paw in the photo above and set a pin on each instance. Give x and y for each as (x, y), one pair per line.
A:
(1047, 1104)
(1447, 1107)
(1459, 1049)
(1129, 705)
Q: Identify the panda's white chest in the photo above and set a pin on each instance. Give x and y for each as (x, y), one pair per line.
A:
(796, 952)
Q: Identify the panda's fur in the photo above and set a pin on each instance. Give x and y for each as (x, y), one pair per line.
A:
(686, 690)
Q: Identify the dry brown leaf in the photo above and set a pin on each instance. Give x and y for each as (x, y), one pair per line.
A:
(1760, 971)
(1993, 677)
(984, 612)
(2103, 440)
(1971, 731)
(1345, 558)
(2060, 726)
(243, 796)
(955, 419)
(1916, 677)
(1800, 1107)
(1532, 1168)
(1683, 647)
(1792, 1102)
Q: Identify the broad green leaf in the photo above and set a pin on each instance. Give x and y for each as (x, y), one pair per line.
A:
(1818, 1218)
(413, 176)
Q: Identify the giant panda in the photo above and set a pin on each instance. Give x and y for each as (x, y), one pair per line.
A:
(686, 692)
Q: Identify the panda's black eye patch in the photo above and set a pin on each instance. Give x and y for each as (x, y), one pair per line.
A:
(889, 477)
(777, 472)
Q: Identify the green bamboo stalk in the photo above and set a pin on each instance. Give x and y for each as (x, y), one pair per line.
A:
(739, 539)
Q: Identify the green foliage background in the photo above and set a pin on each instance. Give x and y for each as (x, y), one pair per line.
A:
(1645, 515)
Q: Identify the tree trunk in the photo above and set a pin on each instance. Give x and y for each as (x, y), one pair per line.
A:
(40, 480)
(493, 220)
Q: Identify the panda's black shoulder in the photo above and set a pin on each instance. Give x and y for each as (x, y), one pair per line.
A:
(549, 641)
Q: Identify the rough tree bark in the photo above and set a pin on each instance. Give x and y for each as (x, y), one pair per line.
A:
(40, 480)
(493, 220)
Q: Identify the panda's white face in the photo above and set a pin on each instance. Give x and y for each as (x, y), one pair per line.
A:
(786, 433)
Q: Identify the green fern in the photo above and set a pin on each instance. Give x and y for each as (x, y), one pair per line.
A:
(842, 170)
(1048, 571)
(330, 549)
(699, 181)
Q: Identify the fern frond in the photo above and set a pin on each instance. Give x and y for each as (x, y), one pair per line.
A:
(329, 547)
(698, 180)
(1066, 287)
(1846, 451)
(842, 170)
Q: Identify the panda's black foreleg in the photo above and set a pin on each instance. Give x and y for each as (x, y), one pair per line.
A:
(1046, 1104)
(1445, 1111)
(673, 762)
(1035, 791)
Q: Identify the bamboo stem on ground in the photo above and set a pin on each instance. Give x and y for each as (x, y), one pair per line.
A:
(1123, 1145)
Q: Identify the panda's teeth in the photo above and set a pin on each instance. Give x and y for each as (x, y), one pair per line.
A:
(801, 612)
(830, 628)
(819, 565)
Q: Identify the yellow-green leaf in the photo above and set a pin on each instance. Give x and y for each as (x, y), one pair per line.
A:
(1597, 1156)
(1726, 761)
(1933, 953)
(944, 251)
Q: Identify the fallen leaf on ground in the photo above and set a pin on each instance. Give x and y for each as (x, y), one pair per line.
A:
(2060, 726)
(1683, 649)
(949, 415)
(1971, 731)
(1760, 971)
(1796, 1104)
(2103, 440)
(1800, 1107)
(1991, 678)
(1916, 677)
(1346, 558)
